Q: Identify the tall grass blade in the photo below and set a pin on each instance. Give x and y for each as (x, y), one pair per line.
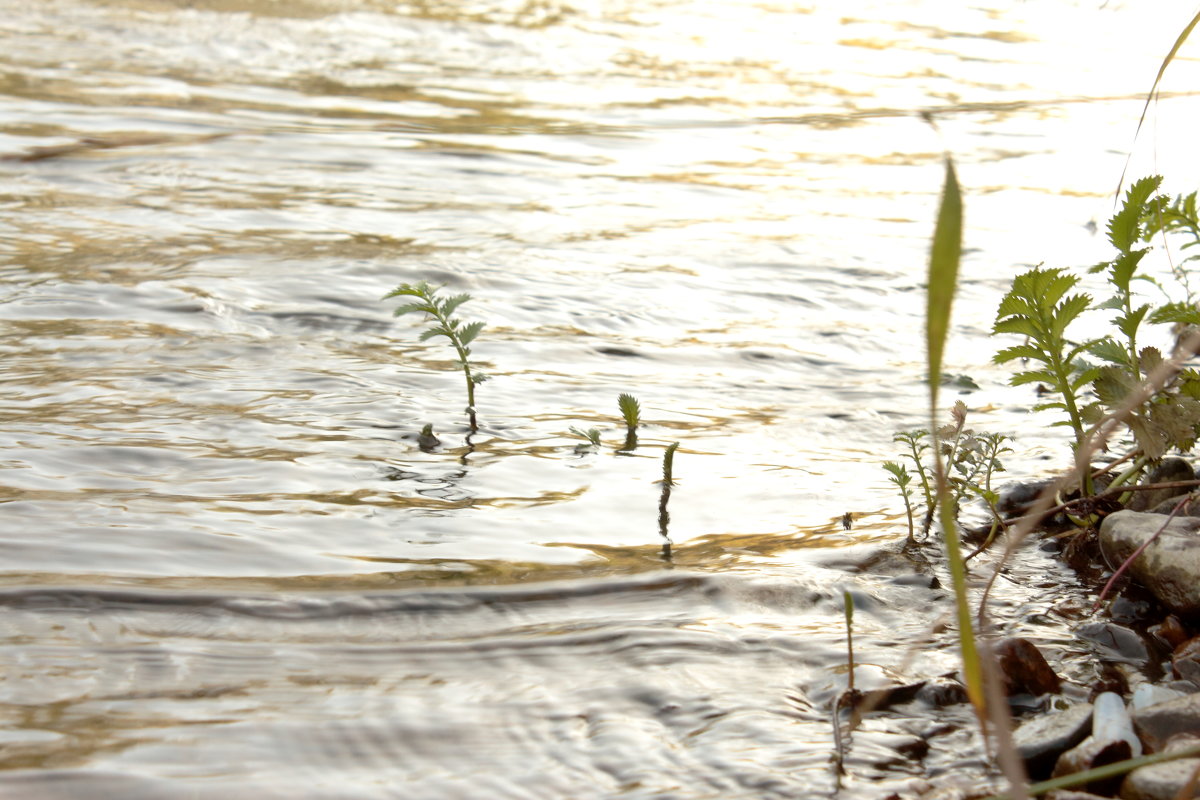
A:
(943, 280)
(1183, 37)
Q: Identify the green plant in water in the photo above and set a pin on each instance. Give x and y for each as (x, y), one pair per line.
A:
(848, 604)
(439, 311)
(971, 460)
(631, 413)
(631, 410)
(900, 477)
(917, 448)
(428, 440)
(669, 464)
(591, 434)
(664, 516)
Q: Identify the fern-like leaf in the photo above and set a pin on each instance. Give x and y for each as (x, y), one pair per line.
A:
(1176, 313)
(631, 410)
(468, 332)
(1124, 229)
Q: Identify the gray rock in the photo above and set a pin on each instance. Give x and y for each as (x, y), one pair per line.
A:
(1168, 470)
(1189, 509)
(1162, 781)
(1170, 567)
(1110, 721)
(1041, 740)
(1157, 723)
(1115, 642)
(1089, 754)
(1149, 694)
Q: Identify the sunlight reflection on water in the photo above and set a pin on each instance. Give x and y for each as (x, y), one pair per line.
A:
(721, 207)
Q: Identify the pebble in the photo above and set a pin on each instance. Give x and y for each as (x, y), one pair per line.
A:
(1149, 694)
(1169, 567)
(1025, 669)
(1168, 470)
(1111, 722)
(1185, 661)
(1119, 643)
(1042, 739)
(1163, 781)
(1158, 723)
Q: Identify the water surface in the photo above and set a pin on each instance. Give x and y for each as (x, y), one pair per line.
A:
(228, 566)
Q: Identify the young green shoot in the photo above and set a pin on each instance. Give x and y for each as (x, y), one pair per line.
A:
(664, 516)
(669, 463)
(428, 440)
(848, 603)
(591, 435)
(439, 311)
(631, 412)
(900, 477)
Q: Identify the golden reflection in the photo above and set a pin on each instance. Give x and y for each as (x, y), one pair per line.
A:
(708, 553)
(80, 736)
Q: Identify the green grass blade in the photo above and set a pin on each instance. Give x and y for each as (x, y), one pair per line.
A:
(1183, 36)
(944, 259)
(943, 276)
(1100, 773)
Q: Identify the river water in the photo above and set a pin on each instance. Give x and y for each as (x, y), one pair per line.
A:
(229, 570)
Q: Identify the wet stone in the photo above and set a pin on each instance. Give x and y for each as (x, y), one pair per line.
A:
(1149, 694)
(941, 692)
(1168, 470)
(1169, 566)
(1157, 724)
(1119, 642)
(1025, 669)
(1185, 661)
(1111, 722)
(1163, 781)
(1170, 632)
(1092, 753)
(1042, 739)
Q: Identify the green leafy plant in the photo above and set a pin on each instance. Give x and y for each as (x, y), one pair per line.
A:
(918, 446)
(591, 435)
(439, 311)
(631, 410)
(668, 465)
(1039, 308)
(631, 413)
(971, 460)
(1178, 216)
(900, 477)
(664, 516)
